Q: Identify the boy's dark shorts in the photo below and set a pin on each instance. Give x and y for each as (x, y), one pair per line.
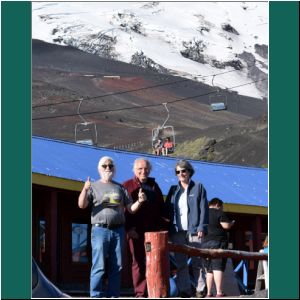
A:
(215, 264)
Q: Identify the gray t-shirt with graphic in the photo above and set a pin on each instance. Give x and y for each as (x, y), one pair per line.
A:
(108, 201)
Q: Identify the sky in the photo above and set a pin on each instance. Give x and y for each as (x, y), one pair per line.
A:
(164, 28)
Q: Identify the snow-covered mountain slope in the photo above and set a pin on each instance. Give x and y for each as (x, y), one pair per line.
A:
(195, 40)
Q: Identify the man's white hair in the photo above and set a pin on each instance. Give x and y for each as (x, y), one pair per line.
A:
(103, 160)
(149, 165)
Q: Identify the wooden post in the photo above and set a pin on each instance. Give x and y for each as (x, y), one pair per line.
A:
(257, 242)
(157, 264)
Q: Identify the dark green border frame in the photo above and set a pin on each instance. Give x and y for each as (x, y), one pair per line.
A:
(284, 150)
(16, 150)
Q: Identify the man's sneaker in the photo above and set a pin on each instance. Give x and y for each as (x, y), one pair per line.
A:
(201, 294)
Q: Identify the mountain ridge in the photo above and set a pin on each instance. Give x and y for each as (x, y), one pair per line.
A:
(192, 40)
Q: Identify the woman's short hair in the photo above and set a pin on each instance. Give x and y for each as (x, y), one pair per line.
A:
(184, 164)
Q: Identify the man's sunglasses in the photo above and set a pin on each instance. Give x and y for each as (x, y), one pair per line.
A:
(180, 171)
(109, 166)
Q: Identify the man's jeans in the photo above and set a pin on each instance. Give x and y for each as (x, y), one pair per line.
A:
(107, 247)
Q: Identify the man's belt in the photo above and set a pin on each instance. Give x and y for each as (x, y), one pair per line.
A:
(108, 226)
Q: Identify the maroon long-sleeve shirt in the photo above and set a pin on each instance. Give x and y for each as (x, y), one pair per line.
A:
(149, 215)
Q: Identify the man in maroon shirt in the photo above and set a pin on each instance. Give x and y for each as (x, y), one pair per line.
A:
(149, 218)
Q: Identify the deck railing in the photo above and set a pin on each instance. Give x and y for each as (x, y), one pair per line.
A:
(157, 258)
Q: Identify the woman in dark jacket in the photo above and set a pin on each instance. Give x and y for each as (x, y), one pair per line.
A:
(188, 214)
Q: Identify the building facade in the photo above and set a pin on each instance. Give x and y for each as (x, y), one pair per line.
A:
(61, 230)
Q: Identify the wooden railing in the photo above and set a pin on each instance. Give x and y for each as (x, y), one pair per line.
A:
(216, 253)
(157, 250)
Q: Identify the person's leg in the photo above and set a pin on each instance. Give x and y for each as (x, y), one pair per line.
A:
(115, 262)
(201, 284)
(138, 268)
(218, 278)
(218, 266)
(209, 282)
(183, 276)
(198, 269)
(100, 247)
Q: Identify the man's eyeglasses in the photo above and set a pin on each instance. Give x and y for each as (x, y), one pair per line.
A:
(109, 166)
(183, 171)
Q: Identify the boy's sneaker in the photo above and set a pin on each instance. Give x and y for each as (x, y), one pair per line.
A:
(220, 295)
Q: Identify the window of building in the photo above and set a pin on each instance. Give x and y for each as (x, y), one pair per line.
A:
(79, 242)
(42, 240)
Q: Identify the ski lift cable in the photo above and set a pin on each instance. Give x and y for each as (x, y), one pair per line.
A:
(112, 94)
(168, 116)
(134, 90)
(145, 106)
(78, 112)
(212, 83)
(223, 103)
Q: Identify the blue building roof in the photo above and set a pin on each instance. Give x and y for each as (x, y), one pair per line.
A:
(232, 184)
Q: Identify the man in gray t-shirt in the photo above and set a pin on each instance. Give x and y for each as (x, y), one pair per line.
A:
(108, 200)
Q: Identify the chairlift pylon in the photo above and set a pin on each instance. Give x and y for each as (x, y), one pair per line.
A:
(218, 100)
(162, 132)
(85, 132)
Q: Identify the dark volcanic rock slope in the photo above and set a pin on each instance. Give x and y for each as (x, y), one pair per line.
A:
(126, 109)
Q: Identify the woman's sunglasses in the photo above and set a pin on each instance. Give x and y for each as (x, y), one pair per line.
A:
(109, 166)
(180, 171)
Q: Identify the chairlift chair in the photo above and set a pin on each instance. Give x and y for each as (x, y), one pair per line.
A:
(218, 100)
(217, 106)
(85, 132)
(162, 132)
